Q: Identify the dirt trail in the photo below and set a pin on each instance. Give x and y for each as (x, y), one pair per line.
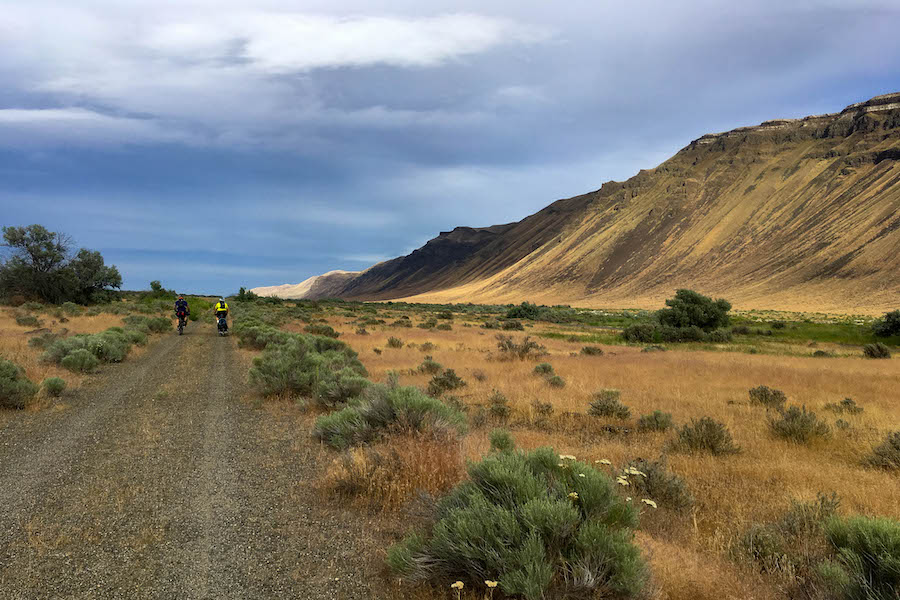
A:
(158, 481)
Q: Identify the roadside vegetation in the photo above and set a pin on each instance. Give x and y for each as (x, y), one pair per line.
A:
(739, 463)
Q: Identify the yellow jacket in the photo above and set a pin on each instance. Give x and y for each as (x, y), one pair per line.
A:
(220, 306)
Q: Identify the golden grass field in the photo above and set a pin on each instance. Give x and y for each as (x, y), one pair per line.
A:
(688, 553)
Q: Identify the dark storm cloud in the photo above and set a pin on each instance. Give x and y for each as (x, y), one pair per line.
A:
(220, 144)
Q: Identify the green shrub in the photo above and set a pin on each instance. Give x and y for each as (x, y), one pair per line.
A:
(444, 382)
(26, 320)
(33, 306)
(446, 314)
(526, 310)
(444, 327)
(527, 348)
(642, 333)
(71, 309)
(876, 350)
(690, 309)
(138, 338)
(799, 425)
(606, 403)
(888, 326)
(499, 405)
(657, 483)
(501, 441)
(768, 397)
(402, 322)
(867, 566)
(361, 331)
(543, 369)
(80, 361)
(847, 405)
(887, 454)
(54, 386)
(394, 342)
(321, 329)
(159, 324)
(15, 388)
(430, 366)
(556, 381)
(43, 341)
(427, 324)
(592, 351)
(512, 325)
(655, 421)
(383, 408)
(541, 409)
(543, 530)
(705, 435)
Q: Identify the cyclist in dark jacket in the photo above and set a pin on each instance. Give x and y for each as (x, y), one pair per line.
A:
(182, 310)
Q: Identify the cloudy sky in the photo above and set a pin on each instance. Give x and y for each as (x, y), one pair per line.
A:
(214, 144)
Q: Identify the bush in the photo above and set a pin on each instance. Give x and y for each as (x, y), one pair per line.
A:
(690, 309)
(799, 425)
(71, 309)
(394, 342)
(876, 350)
(543, 530)
(556, 381)
(592, 351)
(655, 421)
(80, 361)
(888, 326)
(444, 327)
(159, 324)
(640, 333)
(868, 558)
(428, 324)
(15, 388)
(321, 329)
(499, 405)
(25, 320)
(526, 310)
(605, 403)
(139, 338)
(444, 382)
(402, 322)
(541, 409)
(446, 314)
(43, 341)
(705, 435)
(887, 454)
(382, 408)
(667, 489)
(501, 441)
(511, 350)
(54, 386)
(768, 397)
(847, 405)
(543, 369)
(361, 331)
(512, 326)
(430, 366)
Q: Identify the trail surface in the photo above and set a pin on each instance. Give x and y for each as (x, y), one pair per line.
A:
(159, 481)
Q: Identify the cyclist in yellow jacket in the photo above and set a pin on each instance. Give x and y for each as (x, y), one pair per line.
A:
(221, 310)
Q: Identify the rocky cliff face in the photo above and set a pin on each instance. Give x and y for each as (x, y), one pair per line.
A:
(801, 213)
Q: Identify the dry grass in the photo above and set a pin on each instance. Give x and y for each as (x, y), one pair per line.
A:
(14, 346)
(688, 553)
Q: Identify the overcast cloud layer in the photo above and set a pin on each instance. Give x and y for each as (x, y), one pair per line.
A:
(219, 144)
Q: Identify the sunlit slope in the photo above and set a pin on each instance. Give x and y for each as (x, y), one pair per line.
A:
(800, 215)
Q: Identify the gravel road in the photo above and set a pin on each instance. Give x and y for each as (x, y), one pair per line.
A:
(160, 480)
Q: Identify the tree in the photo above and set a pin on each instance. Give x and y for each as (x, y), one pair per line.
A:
(40, 266)
(690, 309)
(887, 326)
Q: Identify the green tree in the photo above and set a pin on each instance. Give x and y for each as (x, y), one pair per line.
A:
(888, 325)
(690, 309)
(92, 276)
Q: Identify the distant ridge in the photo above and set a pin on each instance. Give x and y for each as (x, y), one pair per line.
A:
(797, 214)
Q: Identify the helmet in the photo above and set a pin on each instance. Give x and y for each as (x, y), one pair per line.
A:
(181, 296)
(221, 299)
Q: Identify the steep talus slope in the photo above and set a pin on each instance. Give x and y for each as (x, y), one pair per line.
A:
(796, 214)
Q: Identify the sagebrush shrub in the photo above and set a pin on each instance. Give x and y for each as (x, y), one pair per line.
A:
(543, 369)
(527, 348)
(25, 320)
(428, 324)
(655, 421)
(70, 308)
(80, 361)
(321, 329)
(501, 441)
(499, 405)
(876, 350)
(606, 403)
(394, 342)
(556, 381)
(592, 351)
(796, 424)
(382, 408)
(867, 566)
(15, 388)
(55, 386)
(705, 435)
(541, 409)
(430, 366)
(444, 327)
(768, 397)
(512, 325)
(43, 341)
(847, 405)
(159, 324)
(444, 382)
(658, 483)
(541, 528)
(887, 454)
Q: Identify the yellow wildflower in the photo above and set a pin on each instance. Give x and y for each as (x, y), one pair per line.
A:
(573, 495)
(622, 481)
(603, 461)
(458, 585)
(490, 584)
(649, 502)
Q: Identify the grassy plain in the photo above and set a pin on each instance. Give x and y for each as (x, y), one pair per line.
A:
(692, 553)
